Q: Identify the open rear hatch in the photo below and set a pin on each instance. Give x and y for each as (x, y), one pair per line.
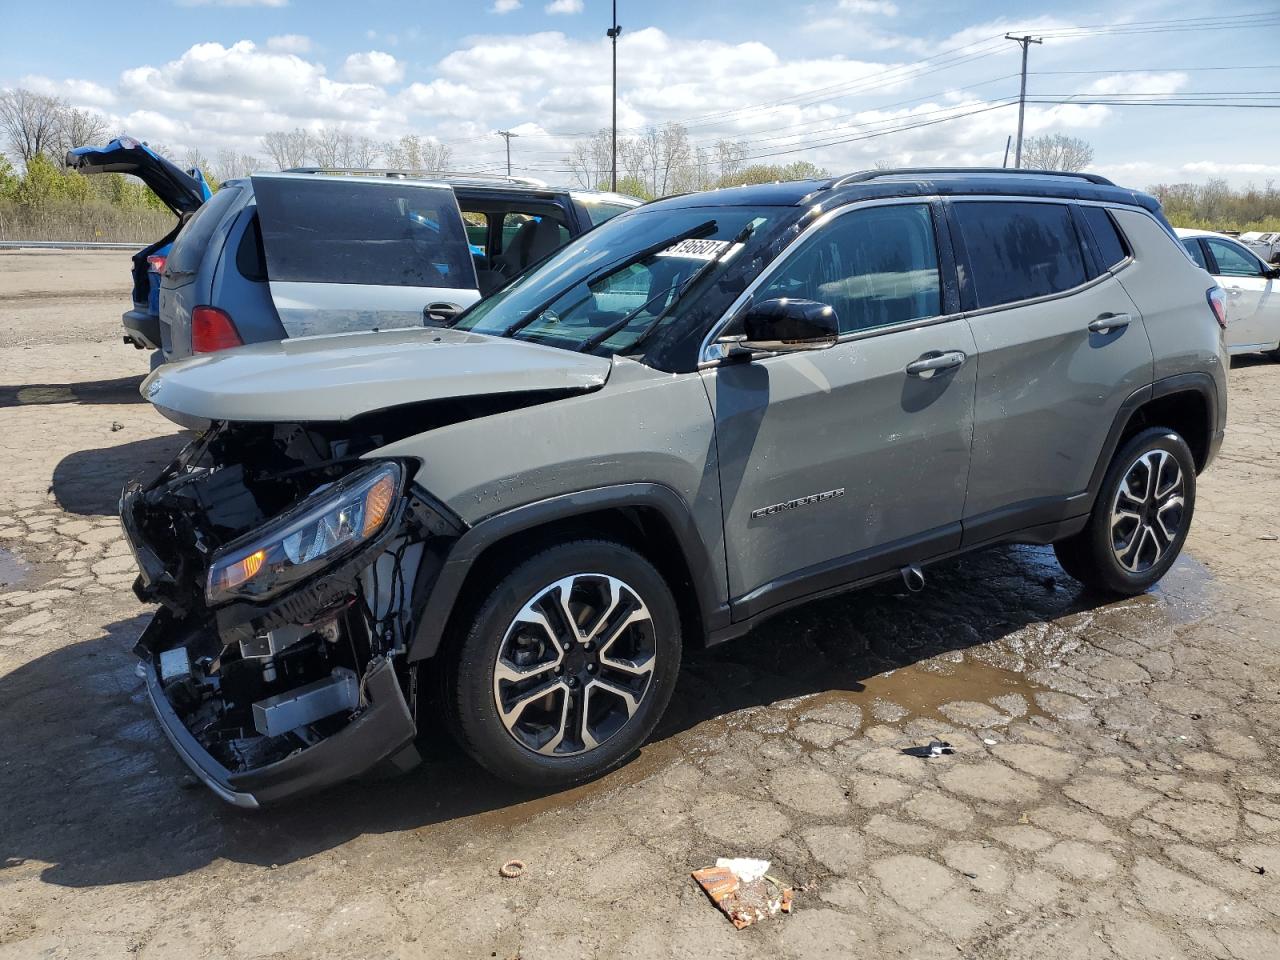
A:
(180, 191)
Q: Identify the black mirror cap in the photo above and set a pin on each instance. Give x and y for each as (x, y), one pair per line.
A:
(783, 325)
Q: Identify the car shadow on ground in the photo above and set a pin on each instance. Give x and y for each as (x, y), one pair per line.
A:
(88, 482)
(120, 390)
(95, 792)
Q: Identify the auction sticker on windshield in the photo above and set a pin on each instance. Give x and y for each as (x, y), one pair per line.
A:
(695, 249)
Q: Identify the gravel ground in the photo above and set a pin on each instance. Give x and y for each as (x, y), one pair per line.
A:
(1114, 790)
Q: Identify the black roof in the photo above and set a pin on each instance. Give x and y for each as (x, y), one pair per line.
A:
(918, 182)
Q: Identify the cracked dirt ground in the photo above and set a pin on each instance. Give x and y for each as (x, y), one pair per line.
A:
(1114, 791)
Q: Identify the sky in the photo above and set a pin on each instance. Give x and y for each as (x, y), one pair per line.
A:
(843, 83)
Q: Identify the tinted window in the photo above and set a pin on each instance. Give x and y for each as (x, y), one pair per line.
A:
(1233, 261)
(380, 232)
(599, 211)
(188, 248)
(875, 267)
(1193, 248)
(1108, 242)
(1017, 251)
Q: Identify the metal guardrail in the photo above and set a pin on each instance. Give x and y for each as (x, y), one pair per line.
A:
(68, 245)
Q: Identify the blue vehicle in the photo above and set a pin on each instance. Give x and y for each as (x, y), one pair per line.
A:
(183, 192)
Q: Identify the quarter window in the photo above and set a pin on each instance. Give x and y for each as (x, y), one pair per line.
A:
(1233, 261)
(1193, 248)
(1018, 251)
(1108, 242)
(875, 267)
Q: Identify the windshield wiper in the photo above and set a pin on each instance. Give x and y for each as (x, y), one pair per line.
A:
(743, 236)
(692, 233)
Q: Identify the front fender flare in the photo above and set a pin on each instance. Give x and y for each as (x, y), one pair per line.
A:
(471, 545)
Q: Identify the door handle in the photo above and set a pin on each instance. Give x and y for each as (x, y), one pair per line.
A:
(943, 361)
(1110, 321)
(439, 313)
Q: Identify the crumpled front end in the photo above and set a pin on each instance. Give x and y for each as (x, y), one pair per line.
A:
(287, 568)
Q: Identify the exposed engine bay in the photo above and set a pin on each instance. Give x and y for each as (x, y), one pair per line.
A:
(287, 568)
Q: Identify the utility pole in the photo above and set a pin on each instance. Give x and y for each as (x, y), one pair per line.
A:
(613, 33)
(507, 135)
(1025, 42)
(1007, 140)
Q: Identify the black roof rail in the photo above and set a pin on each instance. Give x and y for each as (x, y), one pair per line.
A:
(864, 175)
(495, 179)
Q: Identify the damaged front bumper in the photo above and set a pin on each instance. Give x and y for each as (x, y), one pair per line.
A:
(383, 731)
(269, 697)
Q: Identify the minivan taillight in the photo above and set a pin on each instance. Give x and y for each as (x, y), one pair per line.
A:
(156, 263)
(1218, 304)
(213, 329)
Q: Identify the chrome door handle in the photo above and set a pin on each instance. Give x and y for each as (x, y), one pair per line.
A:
(943, 361)
(1110, 321)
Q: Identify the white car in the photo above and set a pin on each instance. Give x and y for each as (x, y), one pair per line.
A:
(1253, 293)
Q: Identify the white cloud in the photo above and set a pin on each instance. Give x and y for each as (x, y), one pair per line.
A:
(1215, 169)
(564, 6)
(505, 6)
(289, 43)
(79, 93)
(1139, 83)
(883, 7)
(373, 67)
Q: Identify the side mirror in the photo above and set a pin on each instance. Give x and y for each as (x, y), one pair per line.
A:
(786, 326)
(1272, 273)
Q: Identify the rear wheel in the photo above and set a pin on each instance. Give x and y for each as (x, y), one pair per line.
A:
(1140, 519)
(567, 666)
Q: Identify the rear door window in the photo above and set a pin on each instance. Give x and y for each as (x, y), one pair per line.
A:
(875, 267)
(363, 231)
(1107, 240)
(598, 211)
(1018, 251)
(1193, 247)
(189, 247)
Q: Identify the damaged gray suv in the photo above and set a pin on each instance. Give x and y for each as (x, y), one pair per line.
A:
(703, 412)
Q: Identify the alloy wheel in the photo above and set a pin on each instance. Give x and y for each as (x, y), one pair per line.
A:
(1148, 511)
(574, 665)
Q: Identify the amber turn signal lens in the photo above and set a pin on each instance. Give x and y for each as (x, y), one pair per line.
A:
(245, 569)
(377, 504)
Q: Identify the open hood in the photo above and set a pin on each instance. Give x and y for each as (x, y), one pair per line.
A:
(181, 192)
(334, 378)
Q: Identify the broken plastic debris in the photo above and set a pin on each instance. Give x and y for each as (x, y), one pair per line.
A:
(744, 901)
(512, 869)
(936, 748)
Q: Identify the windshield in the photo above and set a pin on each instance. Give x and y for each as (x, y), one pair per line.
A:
(612, 289)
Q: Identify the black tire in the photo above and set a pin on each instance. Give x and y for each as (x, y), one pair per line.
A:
(470, 687)
(1090, 556)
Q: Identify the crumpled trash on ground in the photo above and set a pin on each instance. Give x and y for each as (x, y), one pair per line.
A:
(936, 748)
(743, 890)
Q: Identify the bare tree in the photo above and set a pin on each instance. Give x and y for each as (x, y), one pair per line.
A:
(194, 159)
(332, 147)
(412, 152)
(287, 148)
(30, 122)
(730, 155)
(592, 160)
(365, 152)
(1056, 151)
(230, 165)
(78, 128)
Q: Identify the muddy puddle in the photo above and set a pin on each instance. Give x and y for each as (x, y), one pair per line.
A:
(13, 570)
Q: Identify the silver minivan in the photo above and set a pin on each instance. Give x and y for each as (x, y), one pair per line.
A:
(296, 253)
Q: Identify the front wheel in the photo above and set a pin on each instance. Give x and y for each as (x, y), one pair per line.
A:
(1140, 519)
(567, 666)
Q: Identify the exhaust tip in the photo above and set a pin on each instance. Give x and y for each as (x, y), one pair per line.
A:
(913, 577)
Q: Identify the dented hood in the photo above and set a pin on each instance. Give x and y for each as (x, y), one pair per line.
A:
(340, 377)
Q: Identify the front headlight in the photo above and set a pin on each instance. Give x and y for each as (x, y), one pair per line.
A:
(323, 528)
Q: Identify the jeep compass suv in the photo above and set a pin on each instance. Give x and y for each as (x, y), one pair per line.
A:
(705, 411)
